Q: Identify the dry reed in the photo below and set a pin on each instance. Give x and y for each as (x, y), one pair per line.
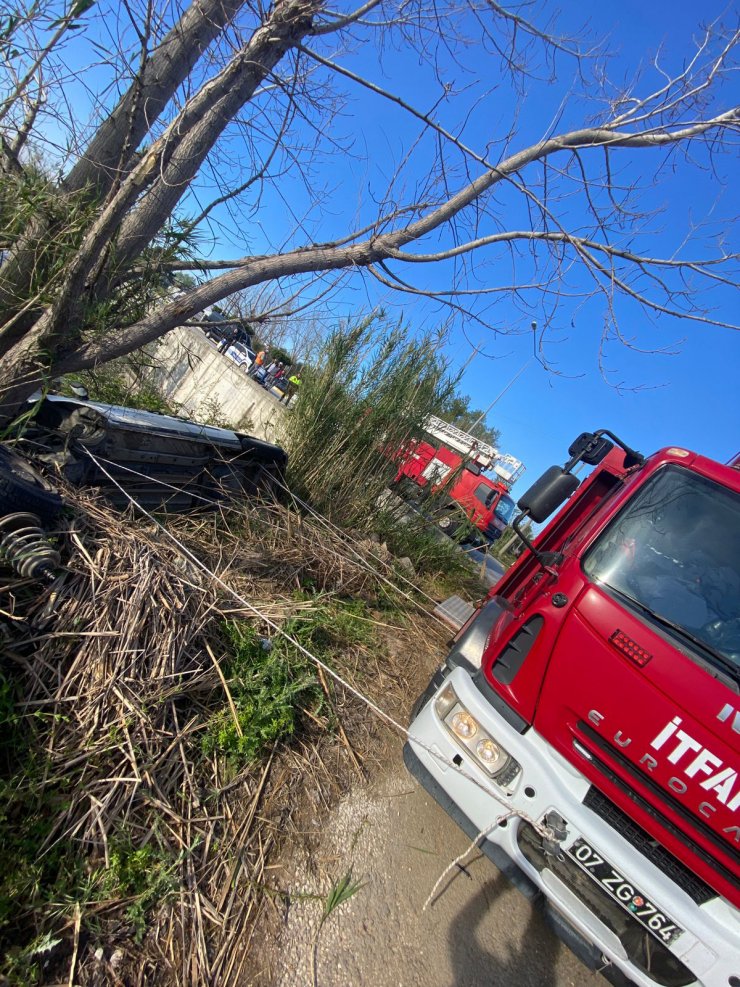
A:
(119, 660)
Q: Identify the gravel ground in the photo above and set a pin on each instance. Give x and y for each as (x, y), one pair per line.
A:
(397, 841)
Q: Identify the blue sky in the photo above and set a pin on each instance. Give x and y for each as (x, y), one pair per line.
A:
(689, 398)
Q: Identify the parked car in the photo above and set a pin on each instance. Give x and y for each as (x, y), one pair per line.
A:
(280, 385)
(242, 355)
(235, 332)
(140, 450)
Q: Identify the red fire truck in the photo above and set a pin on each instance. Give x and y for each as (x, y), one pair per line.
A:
(595, 694)
(450, 467)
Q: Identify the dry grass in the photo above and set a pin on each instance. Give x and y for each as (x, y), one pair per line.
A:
(120, 666)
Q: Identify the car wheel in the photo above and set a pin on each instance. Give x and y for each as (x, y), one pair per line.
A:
(23, 489)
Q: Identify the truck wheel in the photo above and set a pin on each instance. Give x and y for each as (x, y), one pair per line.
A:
(23, 489)
(447, 524)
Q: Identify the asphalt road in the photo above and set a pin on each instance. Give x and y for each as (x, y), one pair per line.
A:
(492, 569)
(478, 932)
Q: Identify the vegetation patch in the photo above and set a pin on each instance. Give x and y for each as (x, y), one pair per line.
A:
(157, 735)
(268, 688)
(271, 682)
(121, 383)
(367, 396)
(144, 876)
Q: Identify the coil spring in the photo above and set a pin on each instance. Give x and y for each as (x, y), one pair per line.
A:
(25, 547)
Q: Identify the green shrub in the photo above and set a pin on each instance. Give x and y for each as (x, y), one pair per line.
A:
(144, 873)
(266, 686)
(118, 383)
(272, 681)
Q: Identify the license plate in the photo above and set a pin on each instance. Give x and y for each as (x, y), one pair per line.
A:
(624, 892)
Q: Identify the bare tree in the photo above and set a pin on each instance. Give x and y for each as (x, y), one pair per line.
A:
(233, 97)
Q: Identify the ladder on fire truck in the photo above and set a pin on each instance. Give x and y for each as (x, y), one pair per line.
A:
(507, 468)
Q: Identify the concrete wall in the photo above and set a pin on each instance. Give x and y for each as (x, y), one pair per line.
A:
(208, 385)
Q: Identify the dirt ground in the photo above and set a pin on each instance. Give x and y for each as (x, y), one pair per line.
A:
(396, 841)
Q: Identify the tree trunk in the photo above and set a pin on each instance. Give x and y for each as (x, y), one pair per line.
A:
(109, 153)
(288, 25)
(176, 159)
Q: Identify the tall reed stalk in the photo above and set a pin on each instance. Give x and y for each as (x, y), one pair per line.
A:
(372, 388)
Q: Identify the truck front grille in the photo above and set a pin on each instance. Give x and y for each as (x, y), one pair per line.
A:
(643, 948)
(648, 847)
(642, 782)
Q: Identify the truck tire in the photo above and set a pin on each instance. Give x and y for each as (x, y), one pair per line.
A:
(23, 489)
(448, 524)
(434, 685)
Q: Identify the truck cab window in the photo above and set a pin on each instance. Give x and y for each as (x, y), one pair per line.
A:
(505, 509)
(484, 494)
(675, 552)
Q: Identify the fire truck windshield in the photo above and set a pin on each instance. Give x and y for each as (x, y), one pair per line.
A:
(674, 552)
(505, 509)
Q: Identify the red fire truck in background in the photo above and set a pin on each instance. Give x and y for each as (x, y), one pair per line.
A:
(450, 467)
(592, 705)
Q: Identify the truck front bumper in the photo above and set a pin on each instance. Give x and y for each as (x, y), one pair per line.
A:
(708, 948)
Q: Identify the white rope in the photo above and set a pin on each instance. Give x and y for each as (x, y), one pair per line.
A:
(457, 862)
(380, 713)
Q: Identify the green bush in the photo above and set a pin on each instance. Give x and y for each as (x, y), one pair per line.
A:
(266, 686)
(145, 874)
(118, 383)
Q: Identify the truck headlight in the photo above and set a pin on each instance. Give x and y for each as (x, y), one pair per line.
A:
(489, 754)
(444, 702)
(464, 725)
(470, 735)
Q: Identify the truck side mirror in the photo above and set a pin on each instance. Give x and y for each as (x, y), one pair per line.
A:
(547, 494)
(590, 449)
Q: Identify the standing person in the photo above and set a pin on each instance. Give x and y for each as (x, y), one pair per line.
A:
(294, 382)
(274, 375)
(258, 361)
(229, 336)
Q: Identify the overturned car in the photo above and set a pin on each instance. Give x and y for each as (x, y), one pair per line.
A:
(162, 462)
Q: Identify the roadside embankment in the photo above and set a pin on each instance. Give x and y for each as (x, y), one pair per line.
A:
(190, 373)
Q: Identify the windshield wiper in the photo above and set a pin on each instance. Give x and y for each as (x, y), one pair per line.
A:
(726, 665)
